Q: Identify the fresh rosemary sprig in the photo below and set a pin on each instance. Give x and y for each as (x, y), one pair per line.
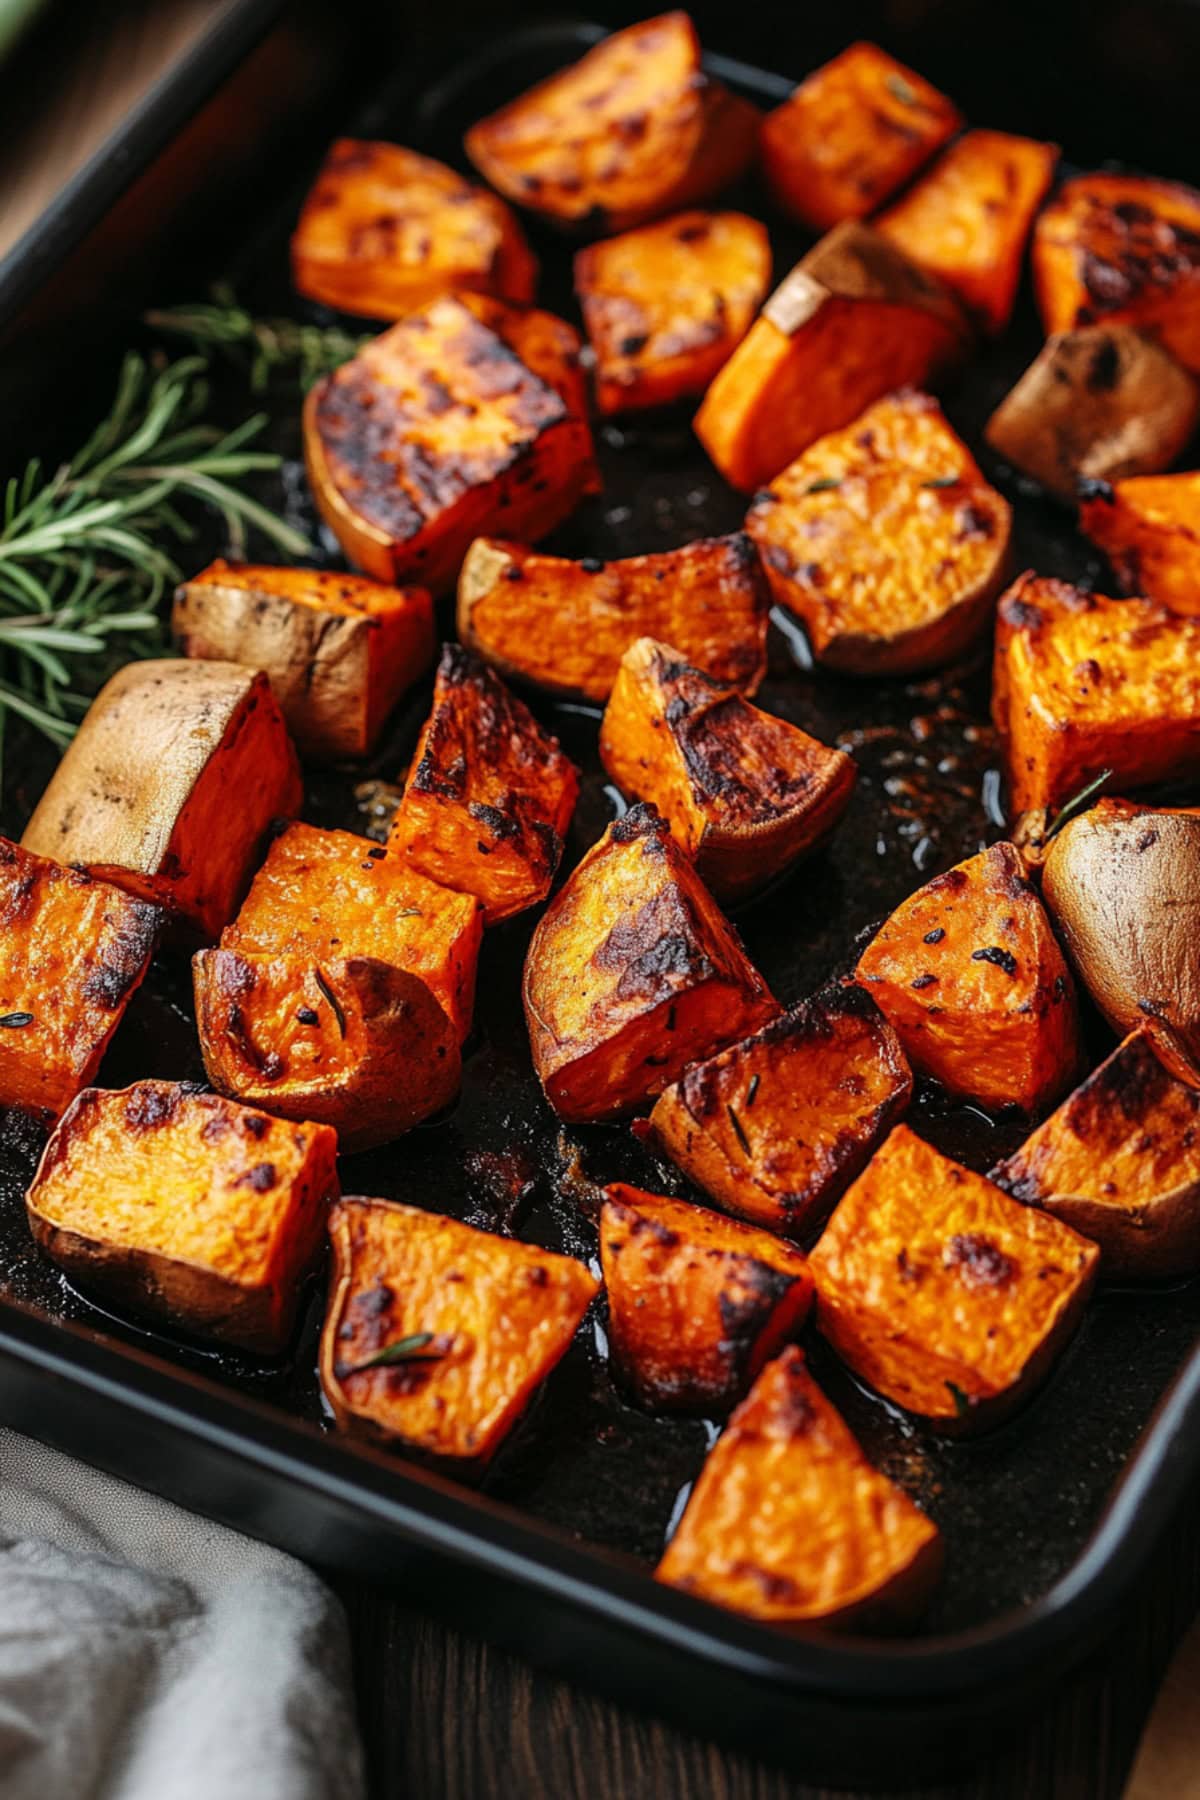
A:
(262, 346)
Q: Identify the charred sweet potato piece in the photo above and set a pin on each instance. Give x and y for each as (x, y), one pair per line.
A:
(744, 793)
(564, 626)
(463, 414)
(943, 1293)
(789, 1522)
(666, 305)
(170, 785)
(853, 132)
(186, 1208)
(633, 130)
(776, 1127)
(1149, 529)
(384, 231)
(854, 320)
(437, 1335)
(885, 540)
(696, 1302)
(632, 974)
(489, 794)
(966, 220)
(969, 973)
(339, 650)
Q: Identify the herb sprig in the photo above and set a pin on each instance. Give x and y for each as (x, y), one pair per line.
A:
(413, 1348)
(262, 347)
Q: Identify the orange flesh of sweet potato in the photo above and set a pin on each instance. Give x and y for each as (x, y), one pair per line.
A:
(789, 1522)
(186, 1207)
(499, 1315)
(776, 1127)
(666, 305)
(72, 951)
(632, 973)
(941, 1292)
(489, 795)
(384, 231)
(1149, 529)
(565, 626)
(696, 1302)
(885, 540)
(969, 974)
(744, 793)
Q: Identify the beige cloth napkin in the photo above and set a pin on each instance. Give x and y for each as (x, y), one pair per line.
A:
(1167, 1764)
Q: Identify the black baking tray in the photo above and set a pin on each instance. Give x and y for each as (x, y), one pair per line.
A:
(1048, 1519)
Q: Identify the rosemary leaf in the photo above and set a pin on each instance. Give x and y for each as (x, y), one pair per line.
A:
(1078, 803)
(262, 347)
(413, 1348)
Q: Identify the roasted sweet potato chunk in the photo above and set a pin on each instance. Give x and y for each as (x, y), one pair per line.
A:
(632, 974)
(437, 1335)
(489, 795)
(776, 1127)
(853, 132)
(384, 231)
(1149, 529)
(696, 1302)
(186, 1208)
(854, 320)
(966, 220)
(463, 414)
(339, 650)
(970, 975)
(665, 306)
(744, 793)
(564, 626)
(885, 540)
(943, 1293)
(169, 786)
(633, 130)
(789, 1522)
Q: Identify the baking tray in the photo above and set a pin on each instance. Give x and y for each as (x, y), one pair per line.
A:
(1048, 1519)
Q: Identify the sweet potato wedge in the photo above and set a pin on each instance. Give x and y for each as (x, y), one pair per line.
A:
(489, 795)
(339, 650)
(633, 130)
(854, 320)
(188, 1209)
(437, 1335)
(941, 1292)
(969, 973)
(853, 132)
(789, 1522)
(632, 973)
(697, 1303)
(1149, 528)
(564, 626)
(744, 793)
(170, 785)
(885, 540)
(666, 305)
(463, 414)
(776, 1127)
(384, 231)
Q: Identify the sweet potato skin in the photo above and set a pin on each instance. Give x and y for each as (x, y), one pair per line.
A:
(1149, 528)
(944, 1294)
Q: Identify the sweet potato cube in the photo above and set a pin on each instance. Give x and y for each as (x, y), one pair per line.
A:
(170, 785)
(696, 1302)
(384, 231)
(633, 130)
(564, 626)
(854, 320)
(489, 795)
(339, 650)
(941, 1292)
(183, 1207)
(776, 1127)
(666, 305)
(789, 1522)
(885, 541)
(744, 793)
(969, 974)
(437, 1335)
(632, 974)
(1149, 529)
(463, 414)
(853, 132)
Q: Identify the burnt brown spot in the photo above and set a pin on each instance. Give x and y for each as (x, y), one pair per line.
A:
(979, 1262)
